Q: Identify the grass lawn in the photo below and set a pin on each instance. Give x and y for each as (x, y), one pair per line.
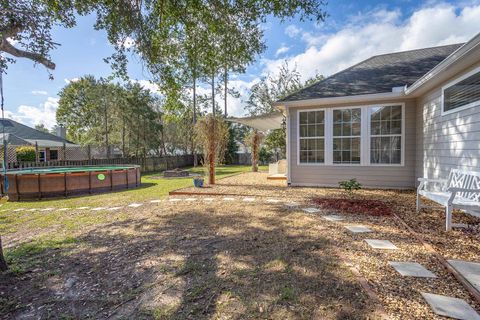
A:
(153, 187)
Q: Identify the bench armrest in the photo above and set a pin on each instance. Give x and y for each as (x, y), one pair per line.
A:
(432, 180)
(455, 190)
(468, 190)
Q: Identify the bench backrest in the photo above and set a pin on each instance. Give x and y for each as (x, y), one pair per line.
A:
(464, 179)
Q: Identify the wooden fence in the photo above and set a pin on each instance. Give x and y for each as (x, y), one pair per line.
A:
(147, 164)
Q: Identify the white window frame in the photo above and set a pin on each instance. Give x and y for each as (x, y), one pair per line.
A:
(324, 138)
(362, 128)
(365, 136)
(402, 136)
(454, 82)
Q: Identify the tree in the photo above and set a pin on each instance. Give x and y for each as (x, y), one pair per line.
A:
(232, 146)
(253, 140)
(212, 134)
(41, 127)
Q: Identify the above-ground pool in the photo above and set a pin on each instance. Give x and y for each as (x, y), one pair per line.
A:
(38, 183)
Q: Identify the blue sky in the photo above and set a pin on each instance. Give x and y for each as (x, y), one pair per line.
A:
(354, 30)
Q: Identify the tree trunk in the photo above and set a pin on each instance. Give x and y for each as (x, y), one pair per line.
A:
(3, 263)
(105, 113)
(194, 116)
(225, 79)
(123, 137)
(213, 93)
(255, 145)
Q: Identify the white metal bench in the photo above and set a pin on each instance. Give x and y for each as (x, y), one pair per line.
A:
(460, 191)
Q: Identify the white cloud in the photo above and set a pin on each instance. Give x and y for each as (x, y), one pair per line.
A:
(67, 81)
(43, 114)
(146, 84)
(281, 50)
(292, 30)
(39, 92)
(377, 32)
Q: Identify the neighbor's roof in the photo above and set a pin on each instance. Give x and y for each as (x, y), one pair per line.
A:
(378, 74)
(13, 140)
(31, 135)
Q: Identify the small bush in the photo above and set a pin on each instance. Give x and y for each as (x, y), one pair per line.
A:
(26, 154)
(350, 186)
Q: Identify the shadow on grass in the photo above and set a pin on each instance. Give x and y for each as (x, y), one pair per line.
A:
(188, 265)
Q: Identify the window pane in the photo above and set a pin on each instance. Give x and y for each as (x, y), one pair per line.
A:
(303, 118)
(320, 156)
(303, 130)
(319, 130)
(337, 129)
(375, 127)
(320, 144)
(386, 150)
(396, 112)
(356, 129)
(346, 129)
(311, 130)
(385, 127)
(303, 144)
(346, 115)
(311, 117)
(303, 156)
(337, 116)
(396, 127)
(337, 157)
(320, 117)
(462, 93)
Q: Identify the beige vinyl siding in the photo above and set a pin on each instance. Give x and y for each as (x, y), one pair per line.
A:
(374, 176)
(446, 141)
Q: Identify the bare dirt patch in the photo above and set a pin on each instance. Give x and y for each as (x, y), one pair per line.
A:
(357, 206)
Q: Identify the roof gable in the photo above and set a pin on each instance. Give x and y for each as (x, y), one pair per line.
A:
(378, 74)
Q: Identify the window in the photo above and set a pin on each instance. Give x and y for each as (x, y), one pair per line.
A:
(386, 135)
(53, 154)
(463, 93)
(346, 135)
(312, 136)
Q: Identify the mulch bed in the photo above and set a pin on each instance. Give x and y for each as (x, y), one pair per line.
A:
(358, 206)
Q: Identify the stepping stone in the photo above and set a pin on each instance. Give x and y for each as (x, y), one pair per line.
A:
(381, 244)
(470, 270)
(248, 199)
(228, 199)
(18, 210)
(208, 199)
(98, 208)
(311, 210)
(174, 200)
(191, 199)
(114, 208)
(155, 201)
(358, 229)
(31, 210)
(334, 217)
(135, 205)
(450, 307)
(412, 269)
(273, 200)
(82, 208)
(292, 205)
(63, 209)
(47, 209)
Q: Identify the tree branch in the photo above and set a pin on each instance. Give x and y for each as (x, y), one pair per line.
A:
(7, 47)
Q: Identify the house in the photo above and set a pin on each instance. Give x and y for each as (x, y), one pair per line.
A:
(49, 146)
(388, 120)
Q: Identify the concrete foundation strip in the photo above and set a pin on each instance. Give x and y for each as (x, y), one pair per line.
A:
(471, 289)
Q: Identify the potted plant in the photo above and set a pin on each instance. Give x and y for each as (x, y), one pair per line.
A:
(198, 182)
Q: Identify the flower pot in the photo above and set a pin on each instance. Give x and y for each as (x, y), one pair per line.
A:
(198, 182)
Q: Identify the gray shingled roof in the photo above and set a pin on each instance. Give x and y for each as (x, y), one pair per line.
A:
(26, 133)
(378, 74)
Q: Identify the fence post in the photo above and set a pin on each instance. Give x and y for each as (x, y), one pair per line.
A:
(64, 151)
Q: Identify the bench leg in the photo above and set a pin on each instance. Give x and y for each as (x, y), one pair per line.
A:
(448, 218)
(419, 203)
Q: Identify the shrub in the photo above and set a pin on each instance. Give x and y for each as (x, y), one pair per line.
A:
(264, 156)
(350, 186)
(26, 153)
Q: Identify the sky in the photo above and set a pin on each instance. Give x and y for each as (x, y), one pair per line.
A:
(353, 31)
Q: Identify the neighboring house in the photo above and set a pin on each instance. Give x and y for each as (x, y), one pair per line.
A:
(388, 120)
(49, 146)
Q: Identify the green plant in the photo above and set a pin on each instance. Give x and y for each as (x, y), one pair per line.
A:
(26, 153)
(264, 156)
(350, 186)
